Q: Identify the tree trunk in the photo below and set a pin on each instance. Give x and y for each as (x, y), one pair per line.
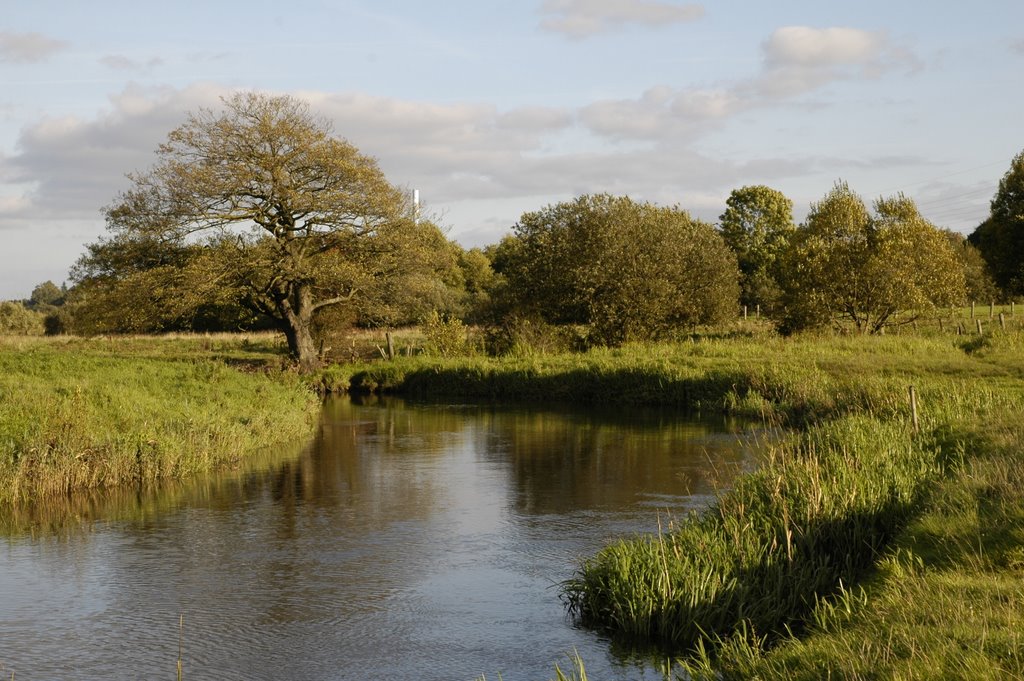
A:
(296, 318)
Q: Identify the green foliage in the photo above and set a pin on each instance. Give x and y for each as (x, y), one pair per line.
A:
(846, 265)
(18, 320)
(757, 226)
(625, 269)
(478, 284)
(46, 294)
(520, 336)
(1000, 238)
(980, 286)
(445, 336)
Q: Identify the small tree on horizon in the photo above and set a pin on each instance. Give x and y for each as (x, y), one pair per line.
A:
(846, 265)
(757, 224)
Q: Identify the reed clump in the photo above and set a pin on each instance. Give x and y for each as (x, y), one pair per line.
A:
(812, 518)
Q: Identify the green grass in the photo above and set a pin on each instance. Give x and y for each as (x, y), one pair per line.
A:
(79, 415)
(859, 548)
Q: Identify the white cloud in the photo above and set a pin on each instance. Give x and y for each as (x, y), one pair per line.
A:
(452, 152)
(814, 47)
(28, 47)
(583, 18)
(798, 59)
(72, 167)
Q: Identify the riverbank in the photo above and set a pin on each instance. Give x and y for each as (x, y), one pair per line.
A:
(80, 414)
(863, 548)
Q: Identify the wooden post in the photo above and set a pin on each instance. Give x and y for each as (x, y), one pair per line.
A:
(391, 345)
(757, 314)
(992, 310)
(1012, 304)
(913, 409)
(1002, 322)
(959, 329)
(979, 326)
(744, 312)
(941, 326)
(972, 309)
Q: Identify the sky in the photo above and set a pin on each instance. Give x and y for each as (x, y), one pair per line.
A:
(495, 108)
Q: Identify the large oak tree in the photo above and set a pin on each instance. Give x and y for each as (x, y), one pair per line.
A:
(272, 211)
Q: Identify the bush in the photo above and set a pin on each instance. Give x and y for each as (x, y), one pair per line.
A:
(628, 271)
(18, 320)
(445, 336)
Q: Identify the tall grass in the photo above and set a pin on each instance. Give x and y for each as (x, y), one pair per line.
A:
(79, 416)
(789, 556)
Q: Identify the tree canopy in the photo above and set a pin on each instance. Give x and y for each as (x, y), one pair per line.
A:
(757, 224)
(261, 207)
(627, 270)
(846, 265)
(1000, 238)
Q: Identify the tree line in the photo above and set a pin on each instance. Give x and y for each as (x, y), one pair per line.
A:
(259, 216)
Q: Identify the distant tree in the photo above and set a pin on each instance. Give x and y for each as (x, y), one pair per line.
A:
(421, 277)
(627, 270)
(845, 265)
(978, 280)
(757, 225)
(134, 283)
(18, 320)
(478, 279)
(269, 211)
(1000, 238)
(46, 295)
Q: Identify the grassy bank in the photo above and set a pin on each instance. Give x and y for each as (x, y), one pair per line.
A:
(861, 549)
(87, 414)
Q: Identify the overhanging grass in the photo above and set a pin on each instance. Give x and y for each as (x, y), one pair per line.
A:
(79, 415)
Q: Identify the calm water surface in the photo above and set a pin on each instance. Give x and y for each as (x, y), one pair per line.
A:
(409, 541)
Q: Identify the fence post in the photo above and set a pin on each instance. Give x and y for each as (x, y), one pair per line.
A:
(972, 309)
(992, 310)
(1002, 322)
(391, 345)
(979, 326)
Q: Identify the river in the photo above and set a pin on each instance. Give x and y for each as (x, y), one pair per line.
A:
(408, 541)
